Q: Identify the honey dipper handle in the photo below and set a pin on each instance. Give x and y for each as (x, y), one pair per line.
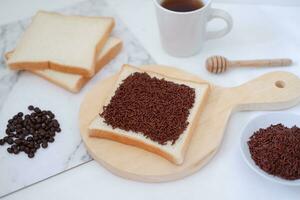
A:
(261, 63)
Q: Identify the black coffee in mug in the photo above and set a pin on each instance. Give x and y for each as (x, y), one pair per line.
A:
(182, 5)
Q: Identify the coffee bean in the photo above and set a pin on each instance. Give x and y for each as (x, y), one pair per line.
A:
(16, 150)
(19, 126)
(35, 138)
(31, 145)
(37, 110)
(9, 150)
(30, 155)
(51, 139)
(28, 132)
(36, 146)
(44, 145)
(25, 132)
(33, 150)
(50, 114)
(22, 148)
(10, 134)
(29, 139)
(18, 141)
(38, 120)
(52, 133)
(31, 130)
(38, 126)
(26, 150)
(10, 140)
(19, 131)
(21, 136)
(44, 118)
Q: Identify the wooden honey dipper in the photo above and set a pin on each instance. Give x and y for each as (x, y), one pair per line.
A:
(219, 64)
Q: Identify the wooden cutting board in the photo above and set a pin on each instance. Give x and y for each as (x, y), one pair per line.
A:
(272, 91)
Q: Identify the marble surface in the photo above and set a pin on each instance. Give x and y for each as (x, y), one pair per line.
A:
(20, 89)
(259, 31)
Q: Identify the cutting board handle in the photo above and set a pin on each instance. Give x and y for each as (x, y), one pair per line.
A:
(272, 91)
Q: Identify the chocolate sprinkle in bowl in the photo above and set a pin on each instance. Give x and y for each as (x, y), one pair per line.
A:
(269, 145)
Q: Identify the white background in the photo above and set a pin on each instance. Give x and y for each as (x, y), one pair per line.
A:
(15, 9)
(226, 176)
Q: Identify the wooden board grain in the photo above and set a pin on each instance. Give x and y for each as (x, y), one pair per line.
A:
(272, 91)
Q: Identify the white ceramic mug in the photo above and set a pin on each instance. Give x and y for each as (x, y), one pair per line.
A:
(183, 33)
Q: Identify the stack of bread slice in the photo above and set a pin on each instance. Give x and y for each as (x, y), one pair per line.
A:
(66, 50)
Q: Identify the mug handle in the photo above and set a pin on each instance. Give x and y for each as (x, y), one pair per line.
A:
(221, 14)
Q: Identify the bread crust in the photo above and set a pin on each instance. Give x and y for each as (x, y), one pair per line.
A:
(27, 65)
(30, 66)
(112, 53)
(142, 70)
(133, 142)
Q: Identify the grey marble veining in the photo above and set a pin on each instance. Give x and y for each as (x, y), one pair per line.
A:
(19, 89)
(9, 35)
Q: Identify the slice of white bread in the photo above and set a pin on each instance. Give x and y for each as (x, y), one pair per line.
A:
(63, 43)
(73, 82)
(174, 153)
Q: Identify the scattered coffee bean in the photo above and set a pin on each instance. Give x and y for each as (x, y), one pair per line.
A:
(28, 132)
(9, 150)
(18, 141)
(36, 146)
(44, 145)
(10, 140)
(29, 139)
(37, 110)
(30, 145)
(30, 155)
(27, 150)
(22, 148)
(51, 140)
(16, 150)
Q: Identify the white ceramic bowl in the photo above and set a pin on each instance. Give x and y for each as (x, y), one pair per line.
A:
(263, 121)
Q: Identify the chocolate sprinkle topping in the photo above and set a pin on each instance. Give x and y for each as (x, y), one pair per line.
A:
(276, 150)
(157, 108)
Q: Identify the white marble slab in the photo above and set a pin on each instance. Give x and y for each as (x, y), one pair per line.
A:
(18, 90)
